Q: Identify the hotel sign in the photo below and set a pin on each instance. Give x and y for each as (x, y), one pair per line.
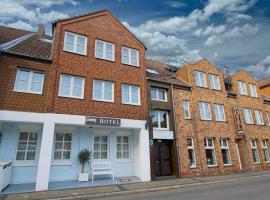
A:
(100, 121)
(237, 121)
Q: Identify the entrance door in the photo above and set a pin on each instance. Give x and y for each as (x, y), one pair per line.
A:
(163, 165)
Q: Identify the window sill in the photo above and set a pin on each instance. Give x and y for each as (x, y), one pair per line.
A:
(159, 100)
(130, 104)
(221, 121)
(204, 87)
(61, 162)
(257, 163)
(192, 167)
(129, 65)
(188, 118)
(104, 59)
(124, 161)
(79, 98)
(267, 162)
(211, 166)
(161, 129)
(227, 165)
(218, 90)
(80, 54)
(24, 163)
(105, 101)
(206, 120)
(28, 92)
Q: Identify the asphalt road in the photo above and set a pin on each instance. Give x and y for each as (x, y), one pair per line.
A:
(256, 188)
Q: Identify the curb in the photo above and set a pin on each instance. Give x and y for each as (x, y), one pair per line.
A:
(154, 189)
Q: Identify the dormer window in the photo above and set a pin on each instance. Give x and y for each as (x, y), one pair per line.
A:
(242, 88)
(75, 43)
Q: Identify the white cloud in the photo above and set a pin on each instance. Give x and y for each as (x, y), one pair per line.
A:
(176, 4)
(45, 3)
(261, 69)
(21, 25)
(49, 17)
(210, 30)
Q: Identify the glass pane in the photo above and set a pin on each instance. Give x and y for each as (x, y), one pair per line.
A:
(96, 139)
(23, 136)
(99, 54)
(134, 99)
(155, 119)
(80, 49)
(96, 155)
(125, 147)
(30, 155)
(119, 155)
(78, 82)
(103, 155)
(96, 147)
(64, 91)
(32, 145)
(36, 87)
(68, 137)
(163, 120)
(126, 155)
(161, 94)
(125, 139)
(153, 94)
(103, 147)
(57, 155)
(104, 139)
(189, 142)
(20, 155)
(210, 142)
(77, 92)
(33, 137)
(65, 80)
(22, 85)
(119, 139)
(81, 41)
(108, 96)
(59, 136)
(119, 147)
(66, 155)
(108, 86)
(97, 94)
(125, 98)
(70, 38)
(125, 89)
(58, 146)
(69, 47)
(134, 90)
(99, 46)
(191, 157)
(109, 56)
(22, 145)
(24, 75)
(67, 146)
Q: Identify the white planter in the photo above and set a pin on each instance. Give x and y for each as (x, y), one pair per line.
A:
(83, 177)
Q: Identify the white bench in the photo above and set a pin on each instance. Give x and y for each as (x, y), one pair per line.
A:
(101, 168)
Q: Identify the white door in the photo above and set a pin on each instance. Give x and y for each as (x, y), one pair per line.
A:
(238, 156)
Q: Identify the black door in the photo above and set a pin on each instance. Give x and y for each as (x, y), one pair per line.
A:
(163, 166)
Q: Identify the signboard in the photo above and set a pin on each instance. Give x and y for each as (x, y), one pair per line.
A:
(237, 121)
(100, 121)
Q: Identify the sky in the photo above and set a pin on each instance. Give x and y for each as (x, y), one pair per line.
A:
(231, 33)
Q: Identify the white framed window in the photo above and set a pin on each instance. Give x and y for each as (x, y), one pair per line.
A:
(252, 90)
(160, 119)
(103, 91)
(200, 79)
(191, 153)
(219, 111)
(27, 146)
(75, 43)
(242, 87)
(210, 152)
(131, 94)
(71, 86)
(248, 116)
(268, 119)
(123, 148)
(186, 109)
(225, 152)
(130, 56)
(62, 146)
(214, 82)
(29, 81)
(158, 94)
(255, 153)
(258, 116)
(265, 151)
(205, 111)
(101, 147)
(104, 50)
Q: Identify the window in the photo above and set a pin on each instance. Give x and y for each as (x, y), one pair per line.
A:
(267, 117)
(71, 86)
(265, 151)
(225, 152)
(220, 114)
(191, 153)
(186, 109)
(158, 94)
(252, 90)
(248, 116)
(75, 43)
(254, 149)
(210, 152)
(258, 116)
(29, 81)
(27, 145)
(200, 79)
(160, 119)
(103, 91)
(104, 50)
(130, 56)
(123, 149)
(130, 94)
(214, 82)
(101, 147)
(242, 87)
(62, 146)
(205, 112)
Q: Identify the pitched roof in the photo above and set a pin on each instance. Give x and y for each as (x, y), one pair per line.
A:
(164, 74)
(264, 82)
(8, 34)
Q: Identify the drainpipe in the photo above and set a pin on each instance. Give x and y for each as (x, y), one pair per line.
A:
(175, 135)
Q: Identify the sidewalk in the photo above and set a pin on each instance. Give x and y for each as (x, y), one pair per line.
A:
(124, 189)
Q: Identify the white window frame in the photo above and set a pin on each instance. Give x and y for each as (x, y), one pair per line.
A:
(71, 87)
(248, 115)
(242, 88)
(159, 119)
(194, 165)
(185, 104)
(203, 111)
(200, 79)
(29, 81)
(226, 148)
(265, 150)
(156, 90)
(254, 147)
(108, 148)
(258, 116)
(252, 90)
(75, 43)
(214, 82)
(122, 152)
(206, 146)
(62, 150)
(105, 50)
(129, 56)
(267, 117)
(218, 114)
(103, 91)
(129, 94)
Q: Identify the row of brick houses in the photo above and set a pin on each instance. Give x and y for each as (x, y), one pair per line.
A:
(90, 86)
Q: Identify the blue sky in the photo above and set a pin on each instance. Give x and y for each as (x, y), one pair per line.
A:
(232, 33)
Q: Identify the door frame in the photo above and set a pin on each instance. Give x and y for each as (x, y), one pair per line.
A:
(238, 156)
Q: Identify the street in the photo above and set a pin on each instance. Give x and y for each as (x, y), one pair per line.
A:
(255, 188)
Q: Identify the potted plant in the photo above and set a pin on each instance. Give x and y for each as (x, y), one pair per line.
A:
(84, 158)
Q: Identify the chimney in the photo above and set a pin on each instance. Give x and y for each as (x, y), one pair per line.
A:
(41, 30)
